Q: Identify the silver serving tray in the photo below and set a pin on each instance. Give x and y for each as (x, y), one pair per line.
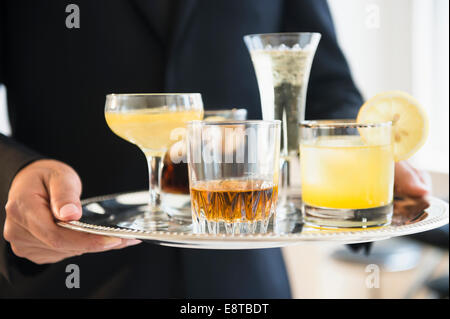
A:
(107, 215)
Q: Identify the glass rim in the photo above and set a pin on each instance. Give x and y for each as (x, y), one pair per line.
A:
(342, 123)
(233, 122)
(281, 34)
(148, 94)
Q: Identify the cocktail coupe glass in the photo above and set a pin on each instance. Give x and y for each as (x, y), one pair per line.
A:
(153, 122)
(282, 63)
(347, 171)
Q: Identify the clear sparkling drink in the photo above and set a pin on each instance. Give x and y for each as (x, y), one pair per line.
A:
(283, 75)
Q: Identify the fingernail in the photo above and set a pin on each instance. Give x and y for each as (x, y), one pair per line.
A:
(132, 242)
(110, 242)
(68, 210)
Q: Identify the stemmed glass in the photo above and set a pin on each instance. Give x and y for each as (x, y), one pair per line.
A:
(153, 122)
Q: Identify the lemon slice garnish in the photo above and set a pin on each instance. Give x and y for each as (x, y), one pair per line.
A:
(409, 120)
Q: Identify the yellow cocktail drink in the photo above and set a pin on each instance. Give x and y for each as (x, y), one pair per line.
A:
(347, 166)
(344, 172)
(153, 130)
(153, 122)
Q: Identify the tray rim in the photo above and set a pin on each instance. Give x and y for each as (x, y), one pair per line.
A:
(282, 239)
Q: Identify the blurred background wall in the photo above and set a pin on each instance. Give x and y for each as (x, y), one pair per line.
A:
(402, 45)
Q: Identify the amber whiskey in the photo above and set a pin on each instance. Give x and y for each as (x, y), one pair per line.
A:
(234, 200)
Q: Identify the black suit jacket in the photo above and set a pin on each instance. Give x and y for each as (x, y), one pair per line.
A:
(57, 79)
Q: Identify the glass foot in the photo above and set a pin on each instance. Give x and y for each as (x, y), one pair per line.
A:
(178, 206)
(347, 218)
(203, 226)
(289, 206)
(156, 221)
(148, 222)
(288, 210)
(180, 218)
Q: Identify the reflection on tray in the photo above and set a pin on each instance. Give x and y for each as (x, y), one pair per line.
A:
(409, 210)
(121, 210)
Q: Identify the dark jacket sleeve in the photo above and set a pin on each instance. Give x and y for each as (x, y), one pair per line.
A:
(331, 90)
(13, 157)
(2, 30)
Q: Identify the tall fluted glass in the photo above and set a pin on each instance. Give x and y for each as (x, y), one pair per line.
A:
(282, 63)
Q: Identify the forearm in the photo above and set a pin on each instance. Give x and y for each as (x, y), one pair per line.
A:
(13, 156)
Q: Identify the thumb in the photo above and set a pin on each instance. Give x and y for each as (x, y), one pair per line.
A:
(64, 188)
(408, 181)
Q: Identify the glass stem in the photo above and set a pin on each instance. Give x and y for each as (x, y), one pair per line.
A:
(284, 182)
(155, 165)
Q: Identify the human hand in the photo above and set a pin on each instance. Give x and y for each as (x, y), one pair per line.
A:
(40, 193)
(410, 181)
